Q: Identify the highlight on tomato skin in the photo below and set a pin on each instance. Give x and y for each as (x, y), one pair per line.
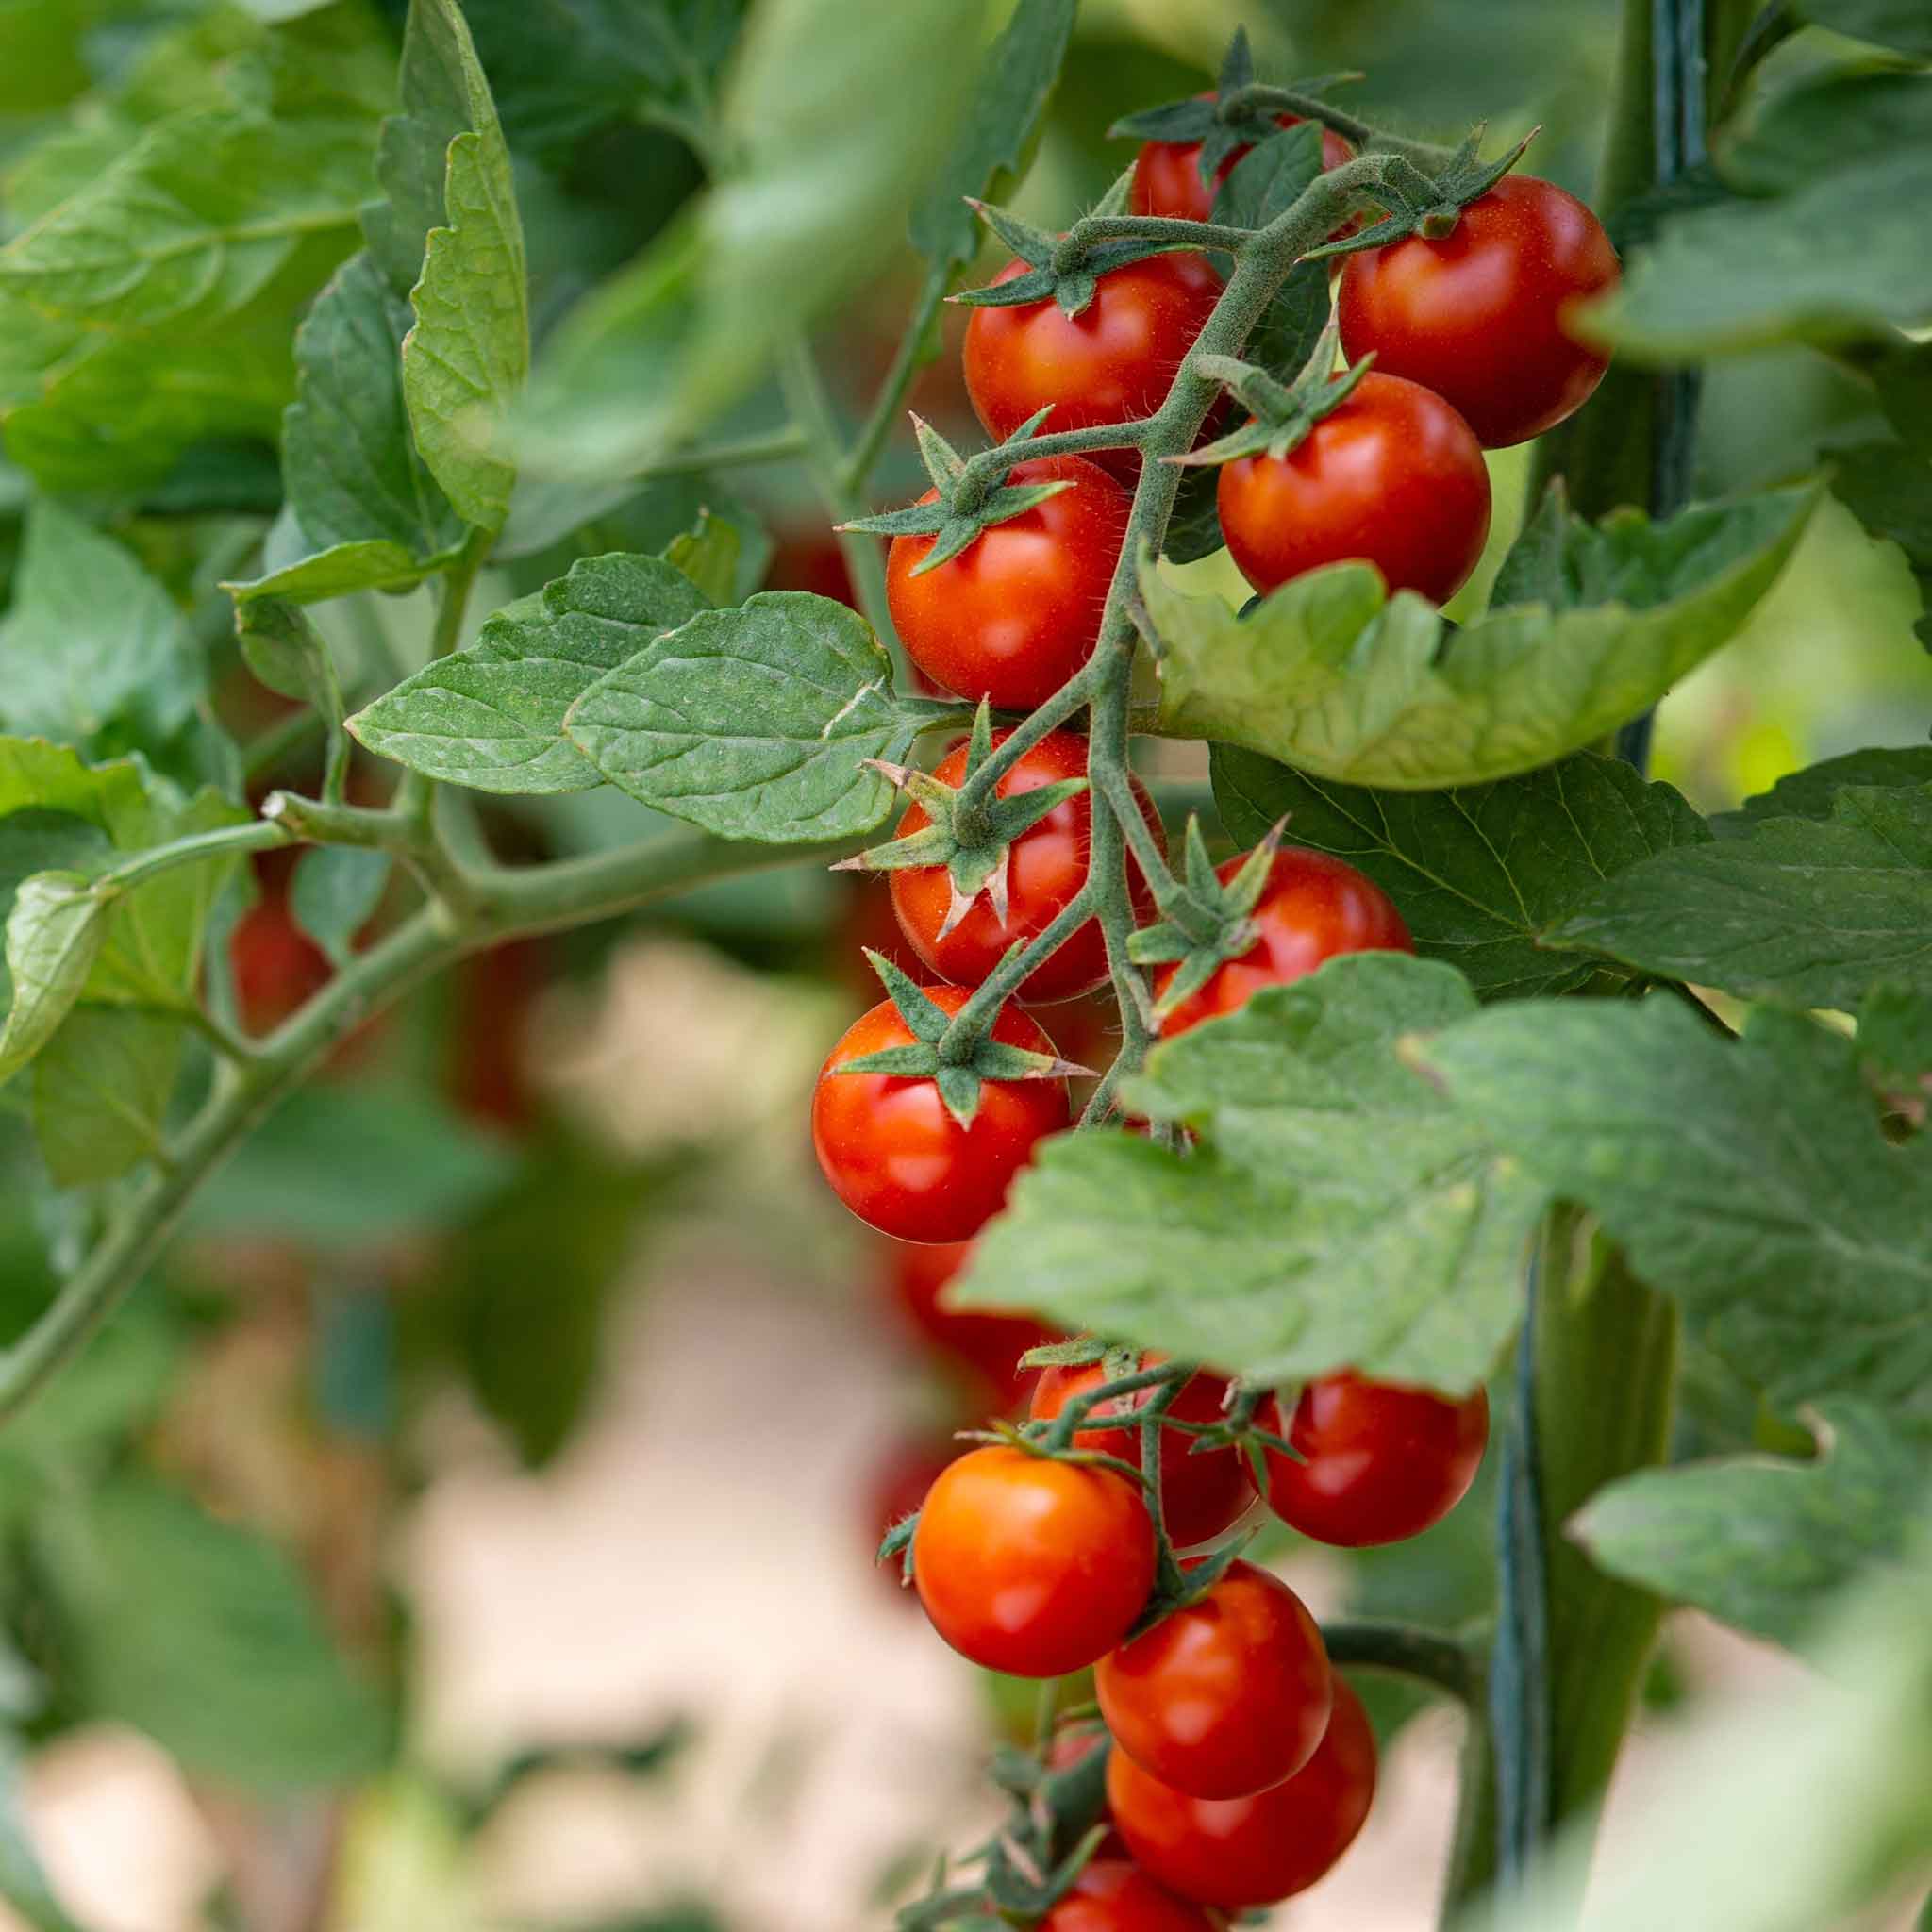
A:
(1311, 909)
(896, 1156)
(1238, 1852)
(1382, 1461)
(1031, 1565)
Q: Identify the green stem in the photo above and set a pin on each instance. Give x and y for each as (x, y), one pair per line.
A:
(415, 795)
(1364, 135)
(1425, 1654)
(856, 472)
(256, 836)
(1090, 230)
(976, 1016)
(775, 446)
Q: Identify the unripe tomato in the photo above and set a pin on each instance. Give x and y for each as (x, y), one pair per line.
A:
(1225, 1697)
(1112, 1895)
(1483, 316)
(1393, 477)
(1018, 612)
(1385, 1461)
(1113, 362)
(1167, 174)
(1312, 908)
(1200, 1495)
(1046, 867)
(1030, 1566)
(1235, 1853)
(898, 1159)
(987, 1346)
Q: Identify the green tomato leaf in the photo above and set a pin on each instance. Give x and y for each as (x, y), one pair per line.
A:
(995, 141)
(101, 1089)
(1812, 792)
(54, 932)
(289, 655)
(832, 115)
(205, 1635)
(492, 716)
(1480, 872)
(1748, 1179)
(1331, 675)
(334, 893)
(93, 652)
(752, 722)
(708, 554)
(1337, 1209)
(1805, 911)
(1764, 1542)
(1822, 123)
(1900, 25)
(467, 357)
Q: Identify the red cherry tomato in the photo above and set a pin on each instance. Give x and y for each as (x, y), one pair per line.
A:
(1311, 909)
(495, 996)
(1069, 1747)
(1017, 612)
(1167, 174)
(1482, 317)
(1113, 362)
(1046, 866)
(1200, 1495)
(1112, 1895)
(1240, 1852)
(988, 1345)
(1394, 476)
(898, 1159)
(1030, 1566)
(278, 967)
(1225, 1697)
(1384, 1461)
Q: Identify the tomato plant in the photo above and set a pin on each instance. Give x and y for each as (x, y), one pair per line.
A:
(1112, 1896)
(1031, 1566)
(1168, 178)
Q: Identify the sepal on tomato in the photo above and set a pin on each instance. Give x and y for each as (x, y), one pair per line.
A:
(1070, 284)
(1208, 922)
(1419, 204)
(1281, 414)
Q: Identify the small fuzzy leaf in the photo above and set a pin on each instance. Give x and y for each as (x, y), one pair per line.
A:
(101, 1089)
(54, 934)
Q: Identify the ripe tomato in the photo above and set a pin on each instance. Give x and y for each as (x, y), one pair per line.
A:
(1113, 362)
(1200, 1495)
(278, 967)
(898, 1159)
(1225, 1697)
(1032, 1567)
(1482, 316)
(1112, 1895)
(896, 1483)
(1046, 866)
(1311, 909)
(1167, 174)
(987, 1346)
(1017, 612)
(1240, 1852)
(1384, 1461)
(1394, 476)
(495, 994)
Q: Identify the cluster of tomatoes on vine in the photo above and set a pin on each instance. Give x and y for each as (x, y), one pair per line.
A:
(1238, 1765)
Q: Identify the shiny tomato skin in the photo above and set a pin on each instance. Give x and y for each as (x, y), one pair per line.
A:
(1312, 908)
(1113, 362)
(1030, 1566)
(1482, 316)
(986, 1344)
(898, 1159)
(1225, 1697)
(1235, 1853)
(1017, 612)
(1394, 475)
(1046, 866)
(1167, 174)
(1114, 1896)
(1385, 1460)
(1200, 1495)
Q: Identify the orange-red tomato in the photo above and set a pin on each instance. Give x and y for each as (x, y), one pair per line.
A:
(1385, 1461)
(1112, 1895)
(1484, 316)
(1046, 867)
(1113, 362)
(278, 967)
(1167, 174)
(1225, 1697)
(1030, 1566)
(1312, 908)
(988, 1345)
(1392, 476)
(897, 1158)
(1018, 612)
(1200, 1495)
(1235, 1853)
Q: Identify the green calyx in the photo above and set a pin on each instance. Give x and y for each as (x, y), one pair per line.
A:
(967, 502)
(957, 1052)
(1057, 269)
(1206, 922)
(1280, 415)
(1427, 205)
(972, 837)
